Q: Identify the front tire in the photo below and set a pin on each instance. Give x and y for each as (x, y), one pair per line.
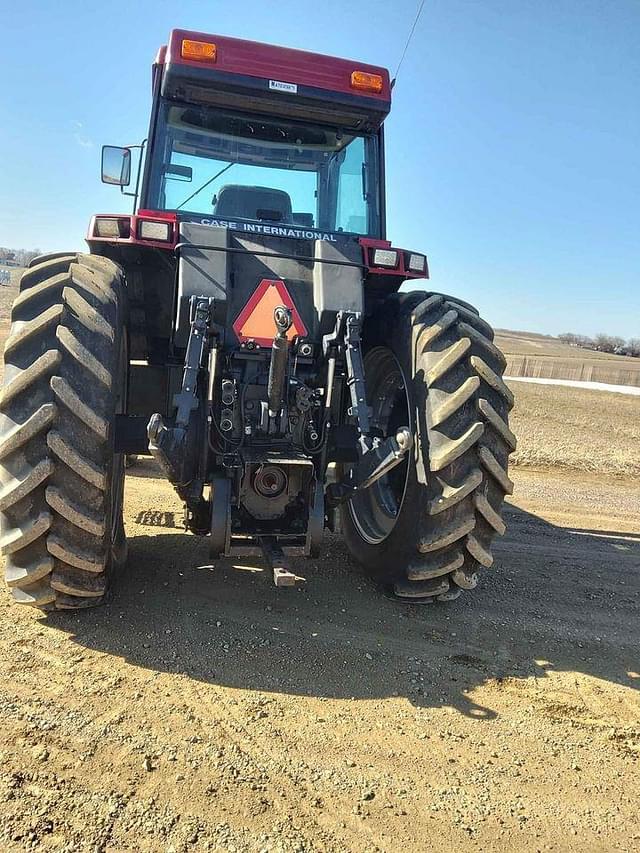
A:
(61, 485)
(425, 530)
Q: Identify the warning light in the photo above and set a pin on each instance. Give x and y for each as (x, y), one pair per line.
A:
(204, 51)
(255, 321)
(366, 82)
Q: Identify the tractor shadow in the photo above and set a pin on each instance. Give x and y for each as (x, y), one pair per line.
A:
(557, 599)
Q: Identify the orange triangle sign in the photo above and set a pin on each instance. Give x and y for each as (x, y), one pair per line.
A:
(255, 321)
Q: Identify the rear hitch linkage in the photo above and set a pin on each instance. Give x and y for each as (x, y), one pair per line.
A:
(171, 445)
(377, 457)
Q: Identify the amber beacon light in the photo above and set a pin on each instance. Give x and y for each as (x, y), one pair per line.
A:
(366, 82)
(204, 51)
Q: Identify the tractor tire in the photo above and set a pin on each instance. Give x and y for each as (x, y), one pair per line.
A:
(425, 530)
(61, 485)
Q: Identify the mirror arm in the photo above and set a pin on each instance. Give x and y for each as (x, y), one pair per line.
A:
(140, 158)
(135, 193)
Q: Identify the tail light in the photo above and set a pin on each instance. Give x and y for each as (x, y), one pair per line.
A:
(384, 258)
(158, 228)
(415, 262)
(149, 229)
(119, 227)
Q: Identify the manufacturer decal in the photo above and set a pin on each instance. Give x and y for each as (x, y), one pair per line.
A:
(279, 86)
(273, 230)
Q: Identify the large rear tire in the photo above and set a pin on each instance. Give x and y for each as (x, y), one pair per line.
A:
(426, 529)
(61, 485)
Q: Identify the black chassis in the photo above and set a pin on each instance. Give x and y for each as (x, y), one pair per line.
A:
(246, 432)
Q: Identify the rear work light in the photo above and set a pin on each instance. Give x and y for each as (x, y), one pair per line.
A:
(417, 263)
(149, 230)
(203, 51)
(385, 258)
(108, 227)
(366, 82)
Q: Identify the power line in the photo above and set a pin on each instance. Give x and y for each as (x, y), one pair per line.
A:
(410, 36)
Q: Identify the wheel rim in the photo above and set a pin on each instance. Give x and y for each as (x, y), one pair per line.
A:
(375, 510)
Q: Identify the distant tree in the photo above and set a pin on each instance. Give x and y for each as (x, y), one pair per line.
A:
(608, 343)
(633, 347)
(585, 341)
(604, 342)
(576, 340)
(18, 257)
(24, 256)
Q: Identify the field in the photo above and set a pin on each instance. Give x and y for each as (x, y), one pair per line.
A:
(576, 428)
(201, 709)
(544, 357)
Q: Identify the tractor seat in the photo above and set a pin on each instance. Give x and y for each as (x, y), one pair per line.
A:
(235, 201)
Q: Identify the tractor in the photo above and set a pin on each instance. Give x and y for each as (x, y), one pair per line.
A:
(246, 327)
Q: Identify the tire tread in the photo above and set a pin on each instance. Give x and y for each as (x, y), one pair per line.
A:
(463, 441)
(56, 410)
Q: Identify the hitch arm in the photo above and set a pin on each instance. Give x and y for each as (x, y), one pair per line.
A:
(187, 399)
(373, 465)
(377, 457)
(175, 447)
(355, 382)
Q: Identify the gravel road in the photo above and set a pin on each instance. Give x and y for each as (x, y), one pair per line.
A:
(202, 709)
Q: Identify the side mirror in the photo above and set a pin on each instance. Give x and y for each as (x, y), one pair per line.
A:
(116, 165)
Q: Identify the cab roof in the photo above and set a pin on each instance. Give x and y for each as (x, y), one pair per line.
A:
(284, 64)
(274, 79)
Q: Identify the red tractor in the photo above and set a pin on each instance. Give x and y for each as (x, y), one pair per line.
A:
(245, 326)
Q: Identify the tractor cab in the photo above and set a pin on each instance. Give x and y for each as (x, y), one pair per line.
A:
(250, 172)
(262, 140)
(255, 137)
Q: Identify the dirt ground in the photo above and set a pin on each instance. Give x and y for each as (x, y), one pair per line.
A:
(202, 709)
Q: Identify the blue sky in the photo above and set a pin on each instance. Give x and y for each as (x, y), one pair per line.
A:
(512, 146)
